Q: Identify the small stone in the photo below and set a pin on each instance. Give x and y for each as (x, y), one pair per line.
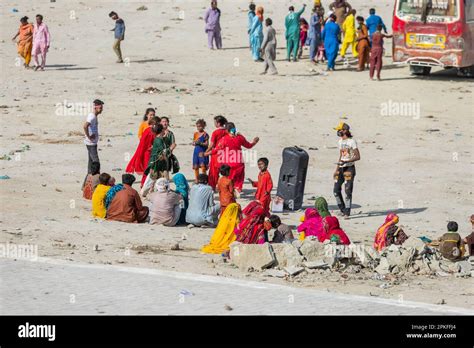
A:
(320, 264)
(292, 271)
(464, 266)
(175, 247)
(275, 273)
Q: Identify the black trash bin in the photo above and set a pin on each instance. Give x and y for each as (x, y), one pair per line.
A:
(293, 177)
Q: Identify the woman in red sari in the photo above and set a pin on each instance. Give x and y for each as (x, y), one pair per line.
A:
(217, 135)
(229, 151)
(332, 228)
(251, 228)
(140, 159)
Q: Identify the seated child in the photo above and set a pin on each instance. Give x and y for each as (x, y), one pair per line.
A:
(91, 182)
(283, 233)
(98, 197)
(451, 246)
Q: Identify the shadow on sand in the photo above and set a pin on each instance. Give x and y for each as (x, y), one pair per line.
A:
(67, 67)
(385, 212)
(141, 61)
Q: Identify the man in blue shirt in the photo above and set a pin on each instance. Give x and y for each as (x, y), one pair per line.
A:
(373, 21)
(119, 34)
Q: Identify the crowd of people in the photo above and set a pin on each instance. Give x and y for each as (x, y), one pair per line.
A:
(219, 168)
(217, 159)
(324, 33)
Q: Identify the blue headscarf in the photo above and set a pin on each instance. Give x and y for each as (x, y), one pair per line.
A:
(182, 187)
(111, 194)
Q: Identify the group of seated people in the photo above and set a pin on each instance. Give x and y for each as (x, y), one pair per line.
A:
(196, 206)
(121, 202)
(250, 225)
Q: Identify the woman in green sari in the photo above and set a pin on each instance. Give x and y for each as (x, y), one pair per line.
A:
(168, 137)
(158, 167)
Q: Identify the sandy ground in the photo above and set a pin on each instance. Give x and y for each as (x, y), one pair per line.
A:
(417, 166)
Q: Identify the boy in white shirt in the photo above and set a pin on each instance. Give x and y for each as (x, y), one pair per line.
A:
(91, 132)
(345, 170)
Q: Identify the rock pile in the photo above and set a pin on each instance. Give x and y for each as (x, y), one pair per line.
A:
(290, 260)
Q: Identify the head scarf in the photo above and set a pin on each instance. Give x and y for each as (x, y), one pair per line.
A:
(312, 225)
(380, 240)
(182, 186)
(259, 13)
(162, 185)
(111, 194)
(321, 206)
(332, 228)
(251, 229)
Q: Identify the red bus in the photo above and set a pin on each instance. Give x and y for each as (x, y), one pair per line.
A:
(428, 33)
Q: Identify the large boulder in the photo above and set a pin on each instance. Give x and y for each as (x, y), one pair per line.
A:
(366, 256)
(406, 258)
(313, 250)
(383, 267)
(416, 243)
(256, 256)
(287, 255)
(464, 268)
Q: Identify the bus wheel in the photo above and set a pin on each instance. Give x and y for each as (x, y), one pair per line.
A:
(420, 70)
(466, 72)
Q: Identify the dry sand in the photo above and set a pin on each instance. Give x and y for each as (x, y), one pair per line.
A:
(423, 164)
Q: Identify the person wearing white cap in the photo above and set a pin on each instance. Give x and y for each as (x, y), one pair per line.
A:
(165, 206)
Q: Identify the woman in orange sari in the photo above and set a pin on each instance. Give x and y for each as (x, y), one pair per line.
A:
(25, 40)
(380, 241)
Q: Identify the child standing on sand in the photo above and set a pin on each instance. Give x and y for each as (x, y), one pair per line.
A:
(225, 187)
(264, 184)
(200, 143)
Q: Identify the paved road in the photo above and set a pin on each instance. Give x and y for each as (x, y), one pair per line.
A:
(60, 287)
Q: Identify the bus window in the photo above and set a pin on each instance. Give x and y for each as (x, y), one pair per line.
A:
(469, 4)
(444, 8)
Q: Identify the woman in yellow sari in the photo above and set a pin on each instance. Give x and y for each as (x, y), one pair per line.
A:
(224, 234)
(25, 40)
